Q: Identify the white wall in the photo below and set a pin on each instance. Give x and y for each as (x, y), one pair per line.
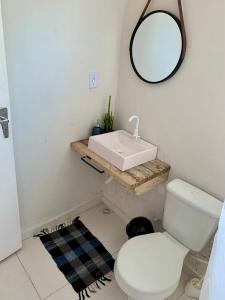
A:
(51, 47)
(184, 116)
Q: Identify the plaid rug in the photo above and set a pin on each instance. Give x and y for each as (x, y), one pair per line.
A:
(79, 256)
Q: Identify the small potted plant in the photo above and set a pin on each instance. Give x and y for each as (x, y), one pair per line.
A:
(108, 118)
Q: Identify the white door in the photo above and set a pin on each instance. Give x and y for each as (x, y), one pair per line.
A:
(10, 235)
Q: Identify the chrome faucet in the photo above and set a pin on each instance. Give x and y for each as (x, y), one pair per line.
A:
(136, 129)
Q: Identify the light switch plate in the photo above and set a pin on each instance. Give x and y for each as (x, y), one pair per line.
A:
(4, 121)
(93, 80)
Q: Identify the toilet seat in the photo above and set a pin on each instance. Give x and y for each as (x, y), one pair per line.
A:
(149, 266)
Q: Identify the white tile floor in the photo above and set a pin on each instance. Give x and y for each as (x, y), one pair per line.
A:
(31, 274)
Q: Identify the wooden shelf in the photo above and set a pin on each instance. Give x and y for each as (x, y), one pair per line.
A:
(140, 179)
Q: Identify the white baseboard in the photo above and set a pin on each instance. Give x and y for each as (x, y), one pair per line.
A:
(64, 217)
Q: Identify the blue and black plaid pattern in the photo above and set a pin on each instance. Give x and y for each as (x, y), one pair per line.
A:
(79, 255)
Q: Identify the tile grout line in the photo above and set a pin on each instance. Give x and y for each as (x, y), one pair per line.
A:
(29, 278)
(34, 285)
(56, 291)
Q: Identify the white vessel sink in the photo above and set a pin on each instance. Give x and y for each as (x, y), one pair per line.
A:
(122, 150)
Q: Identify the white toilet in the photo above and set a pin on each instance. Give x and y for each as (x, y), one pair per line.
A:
(148, 267)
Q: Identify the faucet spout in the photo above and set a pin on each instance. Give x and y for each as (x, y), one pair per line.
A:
(136, 129)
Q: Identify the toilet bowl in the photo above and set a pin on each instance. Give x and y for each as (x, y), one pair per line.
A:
(152, 274)
(149, 267)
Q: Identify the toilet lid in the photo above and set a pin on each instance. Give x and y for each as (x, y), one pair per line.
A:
(151, 263)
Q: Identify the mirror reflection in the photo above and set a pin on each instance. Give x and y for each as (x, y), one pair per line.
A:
(156, 47)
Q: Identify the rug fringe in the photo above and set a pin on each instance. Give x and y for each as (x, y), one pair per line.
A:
(97, 285)
(86, 292)
(55, 228)
(104, 278)
(109, 277)
(91, 289)
(100, 280)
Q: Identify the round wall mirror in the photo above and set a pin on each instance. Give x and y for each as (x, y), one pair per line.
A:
(156, 47)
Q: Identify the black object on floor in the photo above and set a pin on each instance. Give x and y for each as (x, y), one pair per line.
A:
(139, 226)
(80, 256)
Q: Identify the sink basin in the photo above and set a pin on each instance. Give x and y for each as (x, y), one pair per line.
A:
(122, 150)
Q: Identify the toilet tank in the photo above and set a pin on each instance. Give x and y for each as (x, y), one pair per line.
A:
(190, 215)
